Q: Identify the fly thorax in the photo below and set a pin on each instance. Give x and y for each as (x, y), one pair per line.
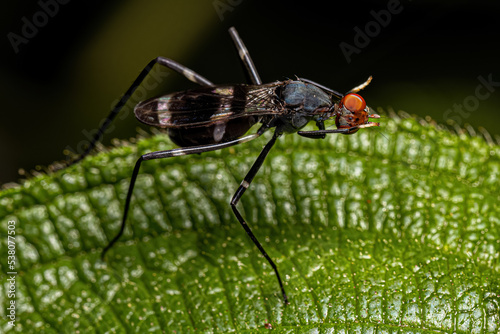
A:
(303, 102)
(305, 97)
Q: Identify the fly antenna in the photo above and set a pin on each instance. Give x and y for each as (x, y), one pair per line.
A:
(362, 86)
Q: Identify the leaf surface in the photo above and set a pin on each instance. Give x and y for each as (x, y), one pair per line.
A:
(393, 233)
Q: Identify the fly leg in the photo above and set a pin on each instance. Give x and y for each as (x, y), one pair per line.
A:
(245, 57)
(161, 155)
(319, 134)
(186, 72)
(239, 193)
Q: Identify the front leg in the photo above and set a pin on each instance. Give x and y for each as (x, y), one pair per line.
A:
(316, 134)
(321, 133)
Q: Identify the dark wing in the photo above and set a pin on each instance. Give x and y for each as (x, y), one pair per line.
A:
(207, 105)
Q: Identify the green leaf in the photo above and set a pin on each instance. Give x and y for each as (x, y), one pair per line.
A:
(393, 233)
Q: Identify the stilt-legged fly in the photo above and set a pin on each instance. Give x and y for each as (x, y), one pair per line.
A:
(214, 117)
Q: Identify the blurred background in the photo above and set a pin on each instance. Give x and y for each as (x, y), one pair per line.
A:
(65, 63)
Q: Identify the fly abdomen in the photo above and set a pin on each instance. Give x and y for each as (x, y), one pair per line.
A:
(207, 115)
(219, 132)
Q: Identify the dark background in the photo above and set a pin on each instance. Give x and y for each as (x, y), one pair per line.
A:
(65, 78)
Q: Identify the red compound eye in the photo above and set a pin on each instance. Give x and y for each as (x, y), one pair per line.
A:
(353, 102)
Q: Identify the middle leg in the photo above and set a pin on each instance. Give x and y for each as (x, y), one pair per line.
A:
(245, 57)
(241, 189)
(321, 133)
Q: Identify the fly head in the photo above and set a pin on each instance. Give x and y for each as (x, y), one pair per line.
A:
(353, 113)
